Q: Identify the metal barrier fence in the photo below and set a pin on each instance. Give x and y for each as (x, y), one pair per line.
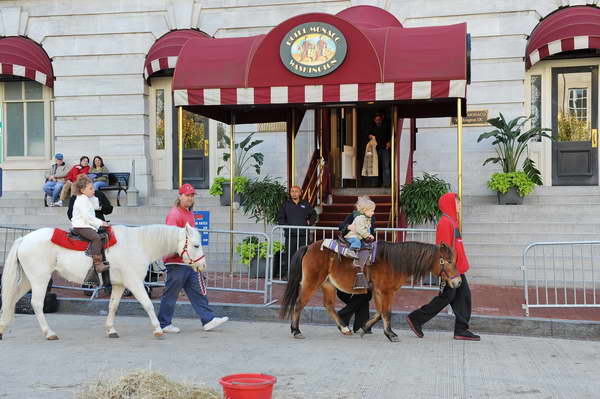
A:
(561, 275)
(237, 261)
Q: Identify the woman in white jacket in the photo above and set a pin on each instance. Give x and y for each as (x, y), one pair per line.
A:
(86, 224)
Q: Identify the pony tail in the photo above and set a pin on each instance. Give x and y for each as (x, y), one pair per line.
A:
(12, 278)
(288, 303)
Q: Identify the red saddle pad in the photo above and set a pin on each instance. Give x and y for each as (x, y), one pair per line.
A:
(61, 238)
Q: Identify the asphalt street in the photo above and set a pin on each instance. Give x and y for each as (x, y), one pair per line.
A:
(324, 365)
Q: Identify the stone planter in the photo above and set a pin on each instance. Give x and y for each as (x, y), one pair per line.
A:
(225, 198)
(512, 197)
(258, 268)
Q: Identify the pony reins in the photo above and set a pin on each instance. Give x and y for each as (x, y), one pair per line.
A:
(185, 251)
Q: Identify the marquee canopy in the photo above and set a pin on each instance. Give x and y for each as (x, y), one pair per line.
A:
(361, 55)
(20, 56)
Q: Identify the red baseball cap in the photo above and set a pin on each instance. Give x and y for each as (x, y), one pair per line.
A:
(187, 189)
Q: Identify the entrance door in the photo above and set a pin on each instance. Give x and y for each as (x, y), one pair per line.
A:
(160, 132)
(195, 151)
(574, 126)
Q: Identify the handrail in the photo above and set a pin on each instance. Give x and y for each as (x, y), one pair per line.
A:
(313, 180)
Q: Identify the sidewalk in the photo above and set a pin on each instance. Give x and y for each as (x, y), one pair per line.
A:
(487, 301)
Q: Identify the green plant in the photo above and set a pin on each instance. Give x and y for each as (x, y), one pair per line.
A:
(502, 182)
(251, 246)
(419, 199)
(245, 159)
(263, 199)
(239, 185)
(511, 141)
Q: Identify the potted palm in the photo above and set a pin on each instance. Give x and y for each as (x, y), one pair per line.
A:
(511, 140)
(419, 199)
(246, 159)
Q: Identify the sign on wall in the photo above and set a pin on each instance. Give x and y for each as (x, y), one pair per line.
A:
(313, 49)
(473, 118)
(202, 219)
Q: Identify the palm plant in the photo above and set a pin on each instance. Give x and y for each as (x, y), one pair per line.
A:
(245, 159)
(511, 141)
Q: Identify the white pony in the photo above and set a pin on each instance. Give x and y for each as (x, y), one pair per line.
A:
(33, 258)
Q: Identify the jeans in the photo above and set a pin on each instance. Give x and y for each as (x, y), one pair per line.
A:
(53, 188)
(355, 243)
(99, 184)
(178, 277)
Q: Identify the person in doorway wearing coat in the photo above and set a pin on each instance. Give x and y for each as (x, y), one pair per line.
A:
(181, 276)
(459, 299)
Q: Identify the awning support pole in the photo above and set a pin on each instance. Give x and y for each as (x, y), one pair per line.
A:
(232, 155)
(293, 144)
(180, 145)
(459, 127)
(393, 165)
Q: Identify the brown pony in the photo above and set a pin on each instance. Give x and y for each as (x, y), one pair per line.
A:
(313, 267)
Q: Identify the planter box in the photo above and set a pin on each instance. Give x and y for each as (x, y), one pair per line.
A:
(225, 198)
(512, 197)
(258, 268)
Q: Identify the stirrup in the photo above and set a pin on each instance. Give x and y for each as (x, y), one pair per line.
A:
(360, 282)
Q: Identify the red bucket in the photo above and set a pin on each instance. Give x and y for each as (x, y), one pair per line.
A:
(248, 386)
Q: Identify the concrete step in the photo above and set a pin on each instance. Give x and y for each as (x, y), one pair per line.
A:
(525, 238)
(362, 191)
(470, 227)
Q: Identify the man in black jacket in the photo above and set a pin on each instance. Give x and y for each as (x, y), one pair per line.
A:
(294, 212)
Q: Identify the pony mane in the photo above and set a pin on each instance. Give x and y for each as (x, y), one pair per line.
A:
(410, 258)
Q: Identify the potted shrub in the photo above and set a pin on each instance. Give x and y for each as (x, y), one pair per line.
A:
(253, 253)
(245, 160)
(510, 143)
(419, 199)
(220, 187)
(511, 187)
(262, 200)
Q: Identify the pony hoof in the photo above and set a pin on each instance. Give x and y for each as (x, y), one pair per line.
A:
(52, 338)
(298, 336)
(0, 337)
(361, 332)
(393, 338)
(113, 335)
(345, 331)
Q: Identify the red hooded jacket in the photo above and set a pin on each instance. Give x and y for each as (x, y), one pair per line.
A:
(76, 171)
(447, 231)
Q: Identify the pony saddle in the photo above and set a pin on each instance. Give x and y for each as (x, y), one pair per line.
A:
(74, 241)
(366, 255)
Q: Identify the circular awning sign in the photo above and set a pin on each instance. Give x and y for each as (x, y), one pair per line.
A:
(313, 49)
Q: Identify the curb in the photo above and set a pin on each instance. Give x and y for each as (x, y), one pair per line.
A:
(524, 326)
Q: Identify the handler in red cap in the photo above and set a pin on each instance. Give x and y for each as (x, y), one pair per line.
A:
(181, 275)
(447, 232)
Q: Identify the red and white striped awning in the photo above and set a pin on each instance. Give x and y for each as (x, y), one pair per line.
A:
(163, 53)
(334, 93)
(23, 57)
(573, 28)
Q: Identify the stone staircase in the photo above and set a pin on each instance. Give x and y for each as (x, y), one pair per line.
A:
(496, 235)
(343, 201)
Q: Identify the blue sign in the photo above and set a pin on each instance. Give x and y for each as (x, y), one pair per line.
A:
(202, 219)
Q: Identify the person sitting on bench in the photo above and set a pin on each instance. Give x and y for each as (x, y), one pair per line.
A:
(86, 224)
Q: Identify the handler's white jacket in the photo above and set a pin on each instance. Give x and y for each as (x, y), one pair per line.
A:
(83, 213)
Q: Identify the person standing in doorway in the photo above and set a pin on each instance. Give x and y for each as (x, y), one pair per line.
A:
(294, 212)
(181, 276)
(448, 232)
(381, 131)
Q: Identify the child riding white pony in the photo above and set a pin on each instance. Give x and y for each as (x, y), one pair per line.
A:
(33, 258)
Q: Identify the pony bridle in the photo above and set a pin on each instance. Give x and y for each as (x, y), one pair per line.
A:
(443, 263)
(185, 251)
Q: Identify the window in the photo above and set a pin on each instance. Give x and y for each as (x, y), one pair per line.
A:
(160, 119)
(24, 119)
(578, 103)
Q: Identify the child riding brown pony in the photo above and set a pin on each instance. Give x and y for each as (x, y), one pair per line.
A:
(395, 263)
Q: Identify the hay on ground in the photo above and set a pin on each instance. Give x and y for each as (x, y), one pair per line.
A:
(145, 384)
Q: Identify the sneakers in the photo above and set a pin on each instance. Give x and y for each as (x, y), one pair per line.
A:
(58, 203)
(467, 336)
(171, 329)
(215, 322)
(415, 328)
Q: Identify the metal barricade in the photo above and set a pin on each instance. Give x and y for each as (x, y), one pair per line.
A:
(8, 235)
(561, 275)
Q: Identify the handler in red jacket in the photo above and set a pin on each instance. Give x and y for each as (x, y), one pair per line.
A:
(181, 275)
(459, 298)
